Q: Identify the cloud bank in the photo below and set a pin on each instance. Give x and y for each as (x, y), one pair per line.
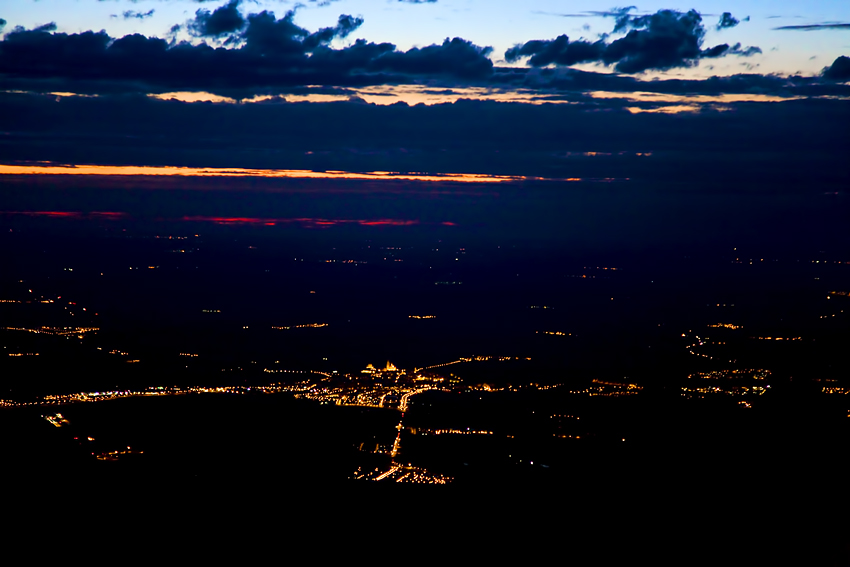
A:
(241, 55)
(665, 40)
(259, 53)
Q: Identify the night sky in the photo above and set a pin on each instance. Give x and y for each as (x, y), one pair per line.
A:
(312, 187)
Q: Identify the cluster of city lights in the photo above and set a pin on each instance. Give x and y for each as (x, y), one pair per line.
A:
(702, 391)
(402, 473)
(732, 374)
(602, 389)
(115, 455)
(79, 332)
(619, 385)
(739, 386)
(467, 431)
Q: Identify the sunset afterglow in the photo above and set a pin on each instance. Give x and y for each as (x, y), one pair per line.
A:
(54, 169)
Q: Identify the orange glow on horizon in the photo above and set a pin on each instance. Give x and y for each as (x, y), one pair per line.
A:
(127, 170)
(414, 94)
(672, 109)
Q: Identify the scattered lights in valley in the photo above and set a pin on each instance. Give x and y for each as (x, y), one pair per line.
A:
(732, 382)
(726, 326)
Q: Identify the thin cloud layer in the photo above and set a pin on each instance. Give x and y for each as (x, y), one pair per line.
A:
(557, 82)
(134, 15)
(817, 27)
(616, 12)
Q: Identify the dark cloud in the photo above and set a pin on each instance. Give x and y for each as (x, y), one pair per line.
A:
(440, 91)
(2, 23)
(817, 27)
(456, 57)
(266, 55)
(283, 37)
(134, 15)
(744, 51)
(266, 34)
(339, 91)
(559, 51)
(45, 28)
(344, 27)
(727, 20)
(347, 24)
(839, 70)
(571, 81)
(716, 51)
(724, 49)
(223, 20)
(664, 40)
